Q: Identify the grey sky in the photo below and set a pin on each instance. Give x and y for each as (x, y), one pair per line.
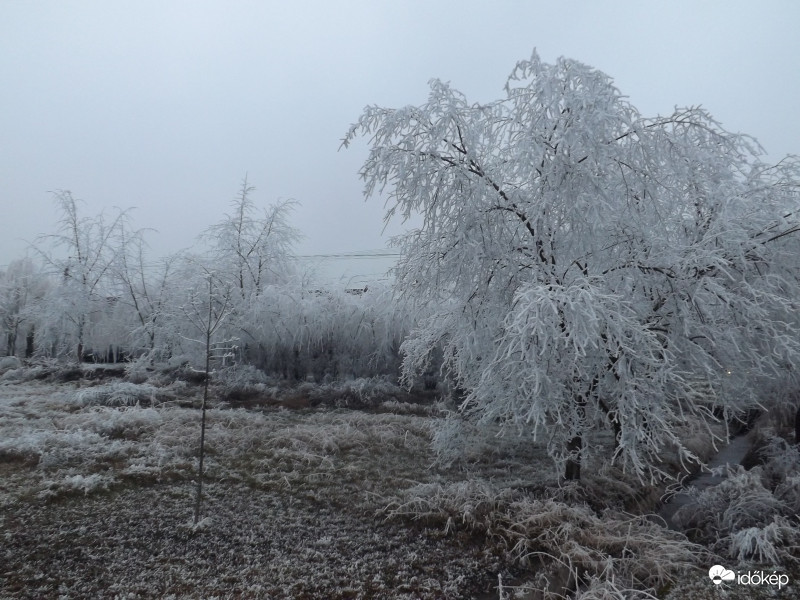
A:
(166, 105)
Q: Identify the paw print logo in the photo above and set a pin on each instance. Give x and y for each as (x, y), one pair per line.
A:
(718, 574)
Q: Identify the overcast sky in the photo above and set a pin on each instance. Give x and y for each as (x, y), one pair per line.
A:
(165, 106)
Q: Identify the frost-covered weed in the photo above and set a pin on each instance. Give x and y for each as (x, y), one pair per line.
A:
(14, 375)
(9, 362)
(240, 376)
(121, 393)
(604, 589)
(58, 449)
(550, 535)
(764, 545)
(788, 492)
(128, 423)
(740, 501)
(363, 392)
(407, 408)
(781, 460)
(70, 484)
(751, 516)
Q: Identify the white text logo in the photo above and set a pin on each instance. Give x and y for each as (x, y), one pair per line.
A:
(718, 574)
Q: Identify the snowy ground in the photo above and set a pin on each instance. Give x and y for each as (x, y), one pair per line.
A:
(97, 489)
(96, 501)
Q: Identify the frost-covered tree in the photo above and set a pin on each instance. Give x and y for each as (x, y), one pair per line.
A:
(254, 249)
(586, 267)
(82, 255)
(22, 285)
(328, 334)
(207, 306)
(144, 291)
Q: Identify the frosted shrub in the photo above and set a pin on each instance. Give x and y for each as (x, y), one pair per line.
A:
(459, 441)
(366, 391)
(139, 370)
(564, 542)
(119, 393)
(764, 544)
(241, 377)
(9, 362)
(130, 423)
(56, 449)
(13, 375)
(781, 460)
(600, 589)
(788, 492)
(471, 503)
(740, 501)
(455, 440)
(752, 515)
(75, 484)
(73, 448)
(362, 392)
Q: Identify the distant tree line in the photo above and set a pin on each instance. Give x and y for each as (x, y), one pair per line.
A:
(93, 295)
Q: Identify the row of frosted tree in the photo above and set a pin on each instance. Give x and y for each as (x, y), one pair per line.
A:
(579, 267)
(90, 294)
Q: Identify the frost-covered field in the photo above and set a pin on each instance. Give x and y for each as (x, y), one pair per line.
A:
(96, 499)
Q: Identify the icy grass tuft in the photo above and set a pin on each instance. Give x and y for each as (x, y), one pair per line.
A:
(71, 484)
(764, 545)
(120, 393)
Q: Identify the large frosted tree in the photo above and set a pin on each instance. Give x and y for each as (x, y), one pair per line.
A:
(586, 267)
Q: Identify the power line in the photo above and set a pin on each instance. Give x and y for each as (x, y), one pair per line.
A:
(356, 254)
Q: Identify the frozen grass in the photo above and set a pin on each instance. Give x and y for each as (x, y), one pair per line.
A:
(96, 501)
(120, 393)
(96, 497)
(569, 546)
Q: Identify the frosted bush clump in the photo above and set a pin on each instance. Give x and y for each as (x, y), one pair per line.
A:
(764, 544)
(751, 516)
(119, 393)
(788, 492)
(75, 483)
(740, 501)
(129, 423)
(560, 541)
(62, 449)
(13, 375)
(241, 377)
(9, 362)
(57, 449)
(781, 460)
(459, 441)
(369, 390)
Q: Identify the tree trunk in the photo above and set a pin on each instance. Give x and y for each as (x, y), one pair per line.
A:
(575, 449)
(29, 342)
(797, 427)
(575, 445)
(80, 339)
(11, 343)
